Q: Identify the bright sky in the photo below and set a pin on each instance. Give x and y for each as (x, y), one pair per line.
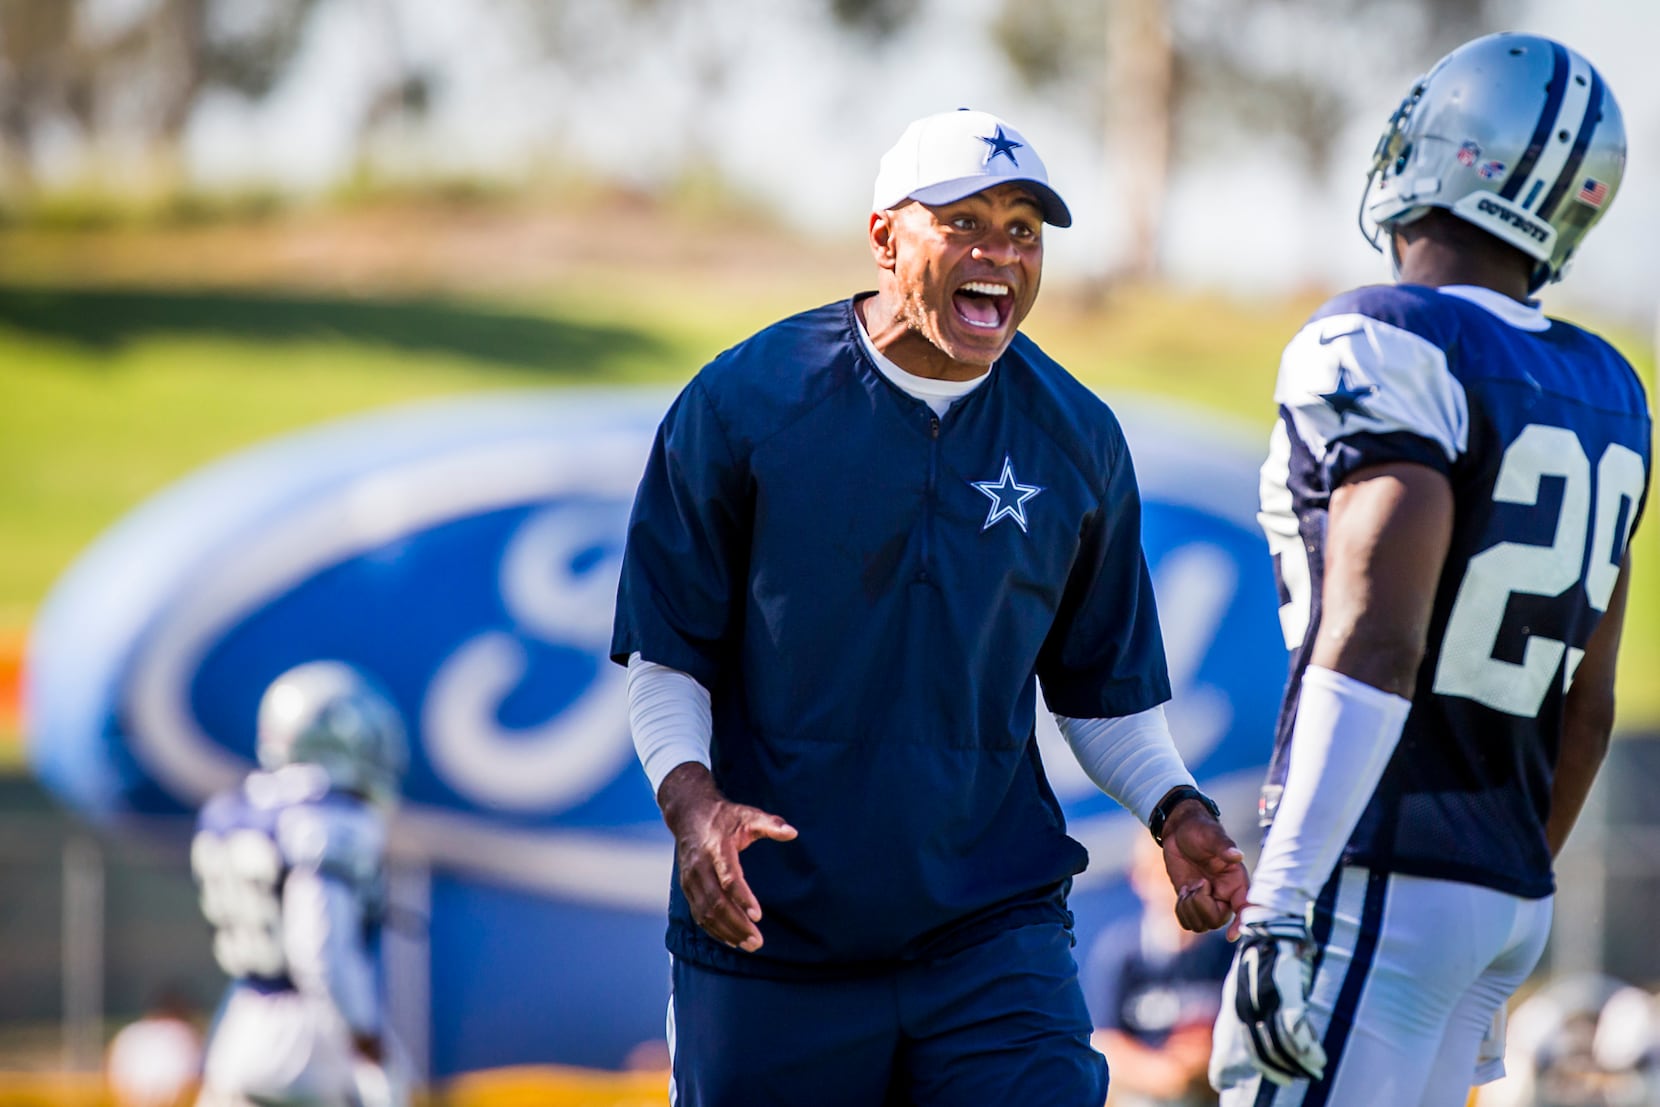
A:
(803, 119)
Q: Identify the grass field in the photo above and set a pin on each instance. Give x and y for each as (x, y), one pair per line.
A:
(130, 357)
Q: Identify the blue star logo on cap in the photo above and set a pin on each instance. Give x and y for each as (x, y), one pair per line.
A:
(1008, 497)
(1000, 144)
(1348, 398)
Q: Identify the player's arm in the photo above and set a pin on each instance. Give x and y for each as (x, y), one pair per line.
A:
(1387, 535)
(669, 715)
(1588, 718)
(1386, 542)
(323, 929)
(325, 923)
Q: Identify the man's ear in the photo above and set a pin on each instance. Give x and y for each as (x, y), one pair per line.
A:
(882, 238)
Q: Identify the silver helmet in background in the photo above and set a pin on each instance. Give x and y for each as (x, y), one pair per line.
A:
(1514, 133)
(328, 714)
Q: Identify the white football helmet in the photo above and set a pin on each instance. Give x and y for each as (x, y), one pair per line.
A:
(326, 713)
(1514, 133)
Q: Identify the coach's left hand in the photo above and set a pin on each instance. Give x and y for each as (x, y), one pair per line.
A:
(1206, 868)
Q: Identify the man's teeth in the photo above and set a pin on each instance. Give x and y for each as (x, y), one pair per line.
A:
(986, 288)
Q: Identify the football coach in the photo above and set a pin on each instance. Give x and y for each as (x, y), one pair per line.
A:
(863, 536)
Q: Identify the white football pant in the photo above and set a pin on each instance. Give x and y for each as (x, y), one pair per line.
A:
(1410, 978)
(280, 1049)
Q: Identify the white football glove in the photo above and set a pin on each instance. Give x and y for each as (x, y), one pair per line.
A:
(1273, 974)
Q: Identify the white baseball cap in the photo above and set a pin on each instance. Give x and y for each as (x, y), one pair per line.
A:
(944, 157)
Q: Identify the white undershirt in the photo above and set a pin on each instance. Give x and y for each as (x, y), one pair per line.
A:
(937, 394)
(1132, 758)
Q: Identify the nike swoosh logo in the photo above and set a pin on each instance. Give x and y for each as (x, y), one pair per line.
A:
(1328, 339)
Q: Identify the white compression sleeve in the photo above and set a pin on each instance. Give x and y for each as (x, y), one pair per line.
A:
(1133, 759)
(669, 715)
(1345, 733)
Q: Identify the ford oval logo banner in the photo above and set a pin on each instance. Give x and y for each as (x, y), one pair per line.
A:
(466, 553)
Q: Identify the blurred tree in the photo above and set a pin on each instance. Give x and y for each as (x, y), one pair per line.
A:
(34, 79)
(876, 19)
(1189, 78)
(132, 73)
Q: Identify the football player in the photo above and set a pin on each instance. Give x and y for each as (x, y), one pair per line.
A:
(1451, 488)
(292, 876)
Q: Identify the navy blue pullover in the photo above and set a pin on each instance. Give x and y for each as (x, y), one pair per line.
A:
(868, 591)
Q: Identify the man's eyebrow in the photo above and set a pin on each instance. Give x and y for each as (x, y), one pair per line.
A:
(1024, 197)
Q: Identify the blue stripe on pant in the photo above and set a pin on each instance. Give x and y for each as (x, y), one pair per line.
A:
(1000, 1022)
(1354, 983)
(1348, 998)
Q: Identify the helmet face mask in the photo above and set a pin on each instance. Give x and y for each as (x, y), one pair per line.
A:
(326, 713)
(1513, 133)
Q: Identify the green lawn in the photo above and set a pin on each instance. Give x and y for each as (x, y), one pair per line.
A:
(109, 393)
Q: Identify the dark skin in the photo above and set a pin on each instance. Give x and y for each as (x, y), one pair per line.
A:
(1588, 719)
(954, 283)
(710, 831)
(926, 255)
(1389, 528)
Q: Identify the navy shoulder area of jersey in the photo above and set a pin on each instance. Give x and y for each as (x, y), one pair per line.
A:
(780, 372)
(1416, 309)
(1604, 378)
(1374, 363)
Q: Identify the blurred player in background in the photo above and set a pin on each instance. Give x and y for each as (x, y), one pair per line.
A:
(291, 866)
(1582, 1040)
(1154, 989)
(861, 536)
(1449, 496)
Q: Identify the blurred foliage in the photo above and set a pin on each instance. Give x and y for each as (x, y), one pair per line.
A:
(877, 19)
(126, 78)
(1278, 67)
(137, 68)
(1058, 48)
(131, 358)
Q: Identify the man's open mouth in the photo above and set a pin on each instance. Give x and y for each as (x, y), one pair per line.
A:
(983, 304)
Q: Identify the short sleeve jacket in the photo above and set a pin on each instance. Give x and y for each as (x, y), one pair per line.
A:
(869, 592)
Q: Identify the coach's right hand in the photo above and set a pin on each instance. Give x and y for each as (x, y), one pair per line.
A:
(709, 833)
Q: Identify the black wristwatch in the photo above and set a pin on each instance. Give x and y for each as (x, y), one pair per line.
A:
(1155, 823)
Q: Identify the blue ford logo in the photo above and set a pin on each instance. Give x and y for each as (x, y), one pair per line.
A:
(466, 553)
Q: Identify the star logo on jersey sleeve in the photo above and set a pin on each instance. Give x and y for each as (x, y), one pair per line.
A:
(1008, 497)
(1348, 398)
(1000, 144)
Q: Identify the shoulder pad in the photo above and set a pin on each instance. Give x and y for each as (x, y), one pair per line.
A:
(1350, 373)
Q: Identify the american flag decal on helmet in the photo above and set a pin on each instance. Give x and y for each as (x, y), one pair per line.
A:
(1593, 192)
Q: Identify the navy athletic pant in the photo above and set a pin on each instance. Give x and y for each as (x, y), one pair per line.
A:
(1000, 1022)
